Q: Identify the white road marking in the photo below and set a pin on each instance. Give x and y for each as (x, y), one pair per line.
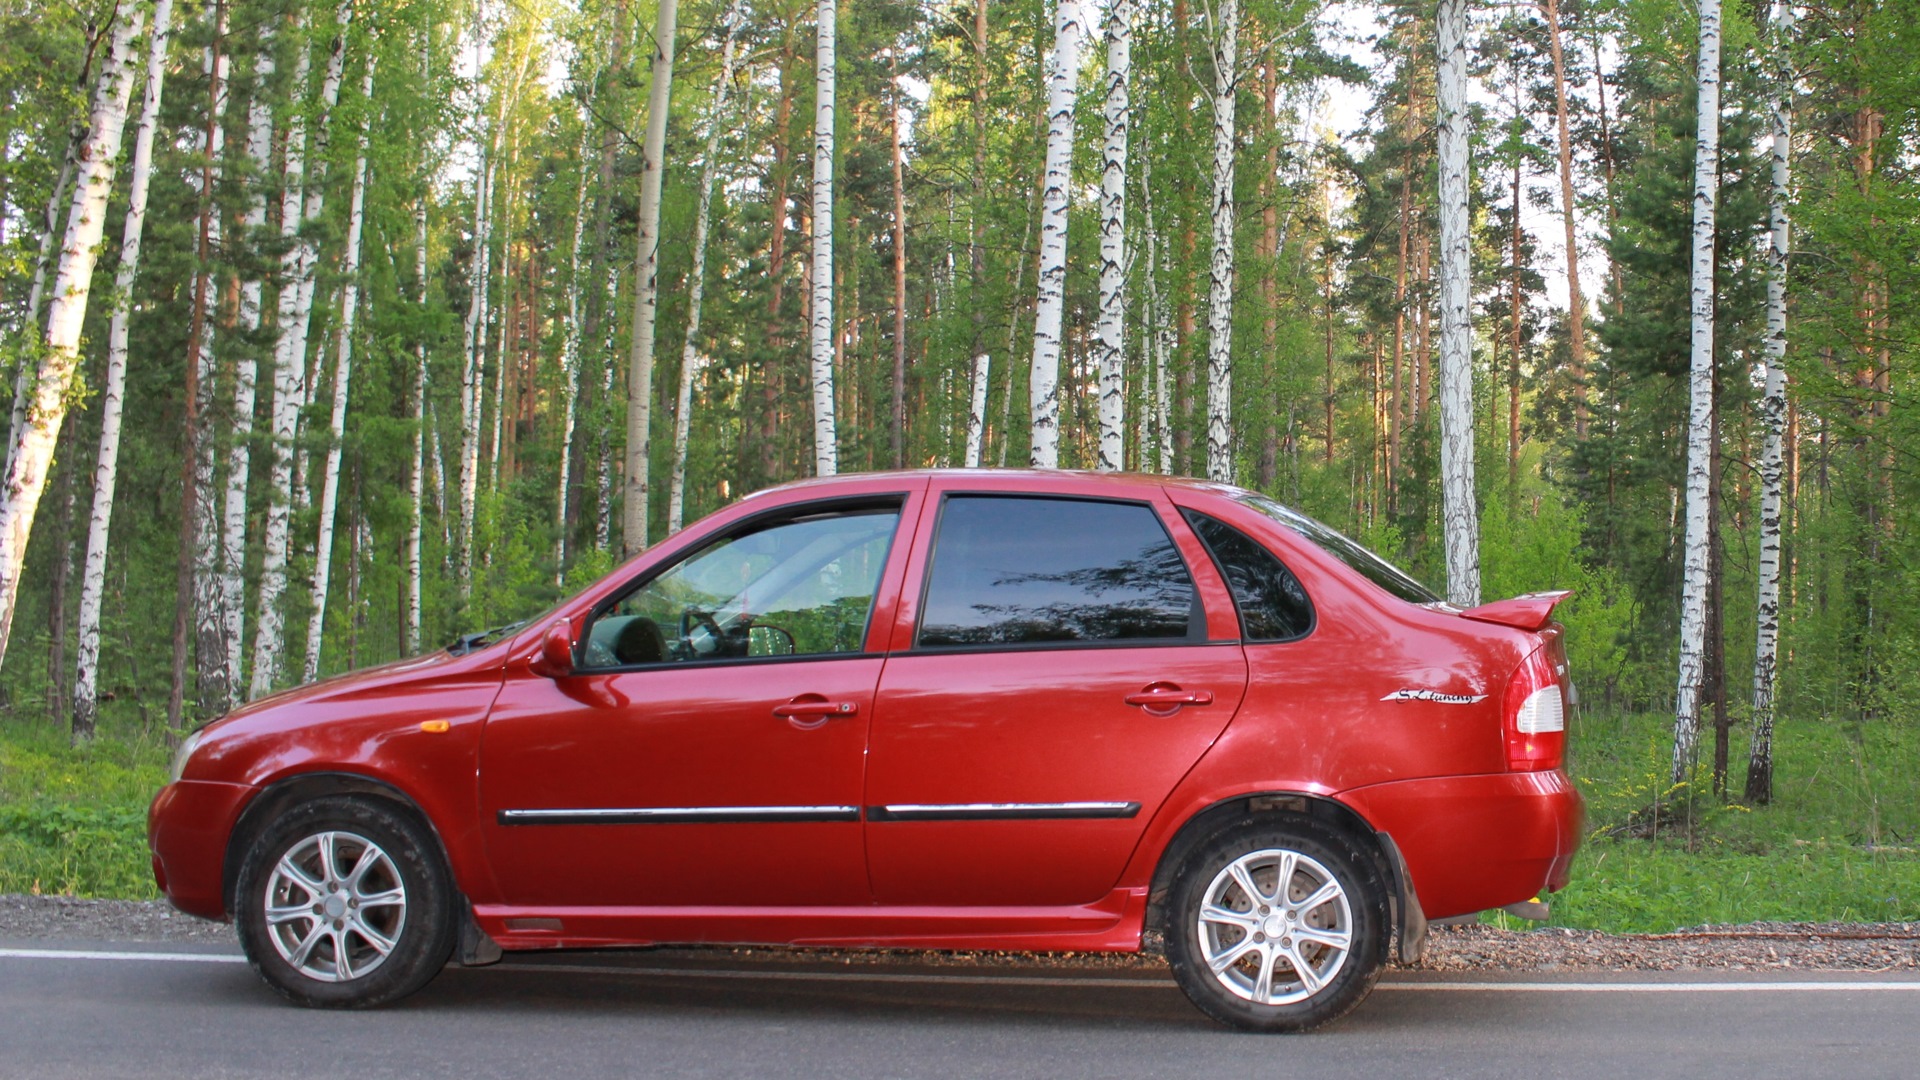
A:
(1474, 986)
(104, 954)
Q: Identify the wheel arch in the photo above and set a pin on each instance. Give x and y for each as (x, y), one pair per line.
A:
(1403, 903)
(291, 791)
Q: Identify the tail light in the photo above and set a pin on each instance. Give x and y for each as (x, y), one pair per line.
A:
(1536, 716)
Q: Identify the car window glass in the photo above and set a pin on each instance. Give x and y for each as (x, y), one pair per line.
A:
(1370, 566)
(1018, 571)
(1273, 606)
(794, 588)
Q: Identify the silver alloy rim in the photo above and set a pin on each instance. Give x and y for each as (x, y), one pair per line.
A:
(335, 906)
(1275, 927)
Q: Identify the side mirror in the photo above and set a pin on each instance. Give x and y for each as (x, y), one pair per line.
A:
(555, 658)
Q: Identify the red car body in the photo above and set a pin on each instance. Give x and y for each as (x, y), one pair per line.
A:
(1390, 719)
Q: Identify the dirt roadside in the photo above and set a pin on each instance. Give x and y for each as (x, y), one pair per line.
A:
(1751, 947)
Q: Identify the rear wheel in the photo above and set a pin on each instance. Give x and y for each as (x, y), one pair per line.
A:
(1277, 926)
(344, 903)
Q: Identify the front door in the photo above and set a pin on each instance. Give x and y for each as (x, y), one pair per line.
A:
(709, 747)
(1061, 681)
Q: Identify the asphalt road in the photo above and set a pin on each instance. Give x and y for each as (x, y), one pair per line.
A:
(101, 1012)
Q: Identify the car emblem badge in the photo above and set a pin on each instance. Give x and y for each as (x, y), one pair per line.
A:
(1434, 695)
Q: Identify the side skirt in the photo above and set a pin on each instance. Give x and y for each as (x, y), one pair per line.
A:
(1111, 924)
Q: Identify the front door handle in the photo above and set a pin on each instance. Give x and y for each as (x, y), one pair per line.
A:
(1164, 699)
(812, 710)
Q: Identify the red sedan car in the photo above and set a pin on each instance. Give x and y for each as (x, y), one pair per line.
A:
(948, 710)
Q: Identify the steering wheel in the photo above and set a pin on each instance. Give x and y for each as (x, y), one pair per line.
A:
(715, 640)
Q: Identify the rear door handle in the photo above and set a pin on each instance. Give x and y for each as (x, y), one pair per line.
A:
(1160, 697)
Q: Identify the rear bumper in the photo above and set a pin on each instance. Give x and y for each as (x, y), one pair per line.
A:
(188, 825)
(1477, 842)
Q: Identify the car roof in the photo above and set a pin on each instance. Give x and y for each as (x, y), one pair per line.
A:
(1077, 480)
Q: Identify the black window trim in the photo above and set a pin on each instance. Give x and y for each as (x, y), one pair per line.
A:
(766, 519)
(1313, 609)
(914, 647)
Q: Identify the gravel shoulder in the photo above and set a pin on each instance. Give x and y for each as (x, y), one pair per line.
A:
(1750, 947)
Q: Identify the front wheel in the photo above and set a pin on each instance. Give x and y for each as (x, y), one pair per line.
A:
(344, 903)
(1277, 926)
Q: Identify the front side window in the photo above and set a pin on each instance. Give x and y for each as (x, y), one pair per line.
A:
(795, 587)
(1273, 606)
(1008, 570)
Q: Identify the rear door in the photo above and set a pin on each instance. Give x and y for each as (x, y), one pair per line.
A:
(1060, 679)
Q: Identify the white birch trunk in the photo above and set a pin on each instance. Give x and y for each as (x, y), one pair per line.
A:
(342, 381)
(1113, 238)
(233, 541)
(1459, 509)
(1773, 411)
(977, 414)
(32, 441)
(603, 468)
(472, 369)
(570, 341)
(1226, 58)
(1063, 91)
(42, 266)
(690, 358)
(1156, 342)
(646, 297)
(416, 480)
(298, 207)
(113, 390)
(1693, 582)
(210, 602)
(826, 453)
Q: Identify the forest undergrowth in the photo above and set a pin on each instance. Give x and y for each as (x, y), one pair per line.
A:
(1841, 841)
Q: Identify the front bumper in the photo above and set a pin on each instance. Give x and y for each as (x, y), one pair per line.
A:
(188, 826)
(1472, 843)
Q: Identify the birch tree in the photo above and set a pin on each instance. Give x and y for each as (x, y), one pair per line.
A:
(826, 454)
(32, 441)
(1459, 508)
(342, 381)
(416, 476)
(86, 703)
(233, 540)
(1773, 408)
(646, 273)
(199, 603)
(697, 277)
(1225, 15)
(1693, 581)
(977, 409)
(1063, 73)
(300, 204)
(1113, 236)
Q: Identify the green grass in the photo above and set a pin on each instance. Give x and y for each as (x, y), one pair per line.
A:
(1841, 841)
(74, 822)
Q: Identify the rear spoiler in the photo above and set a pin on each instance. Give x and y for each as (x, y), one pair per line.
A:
(1530, 612)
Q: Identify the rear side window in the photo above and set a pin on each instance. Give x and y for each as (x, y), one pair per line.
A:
(1273, 606)
(1008, 570)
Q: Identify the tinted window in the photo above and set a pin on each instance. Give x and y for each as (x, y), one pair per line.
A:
(1273, 606)
(1371, 566)
(1011, 571)
(793, 587)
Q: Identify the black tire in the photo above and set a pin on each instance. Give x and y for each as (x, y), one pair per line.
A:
(1321, 856)
(404, 863)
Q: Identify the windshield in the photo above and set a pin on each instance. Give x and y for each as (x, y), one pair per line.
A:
(1366, 563)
